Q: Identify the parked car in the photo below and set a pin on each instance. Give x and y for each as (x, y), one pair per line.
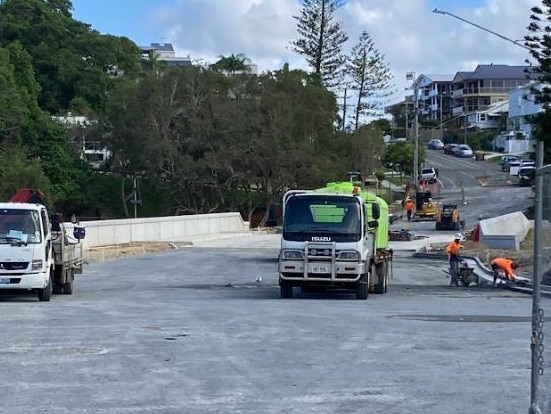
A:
(513, 167)
(505, 159)
(526, 175)
(449, 148)
(435, 144)
(527, 163)
(464, 151)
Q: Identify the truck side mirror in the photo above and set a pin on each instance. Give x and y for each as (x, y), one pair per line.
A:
(375, 211)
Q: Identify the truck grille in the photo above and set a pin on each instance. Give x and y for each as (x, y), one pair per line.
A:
(13, 265)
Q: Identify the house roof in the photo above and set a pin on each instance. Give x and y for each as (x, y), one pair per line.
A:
(163, 47)
(461, 76)
(501, 72)
(440, 77)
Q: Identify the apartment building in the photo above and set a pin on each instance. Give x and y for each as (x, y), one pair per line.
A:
(481, 97)
(434, 95)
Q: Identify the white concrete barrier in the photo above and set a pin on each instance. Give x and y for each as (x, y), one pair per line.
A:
(505, 232)
(155, 229)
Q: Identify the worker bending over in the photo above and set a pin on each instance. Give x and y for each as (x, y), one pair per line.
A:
(505, 265)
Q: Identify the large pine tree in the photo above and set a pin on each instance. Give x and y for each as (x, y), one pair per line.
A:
(321, 38)
(369, 74)
(539, 42)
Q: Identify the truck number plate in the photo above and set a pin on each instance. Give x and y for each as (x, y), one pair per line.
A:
(316, 268)
(4, 280)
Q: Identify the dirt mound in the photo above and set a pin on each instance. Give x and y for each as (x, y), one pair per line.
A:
(111, 252)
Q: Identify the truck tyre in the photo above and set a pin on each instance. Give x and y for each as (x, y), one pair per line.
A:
(380, 286)
(44, 295)
(68, 286)
(285, 290)
(362, 286)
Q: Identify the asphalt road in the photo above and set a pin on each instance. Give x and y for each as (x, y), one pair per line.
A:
(460, 185)
(192, 331)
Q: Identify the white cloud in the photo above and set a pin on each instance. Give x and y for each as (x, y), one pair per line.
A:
(407, 32)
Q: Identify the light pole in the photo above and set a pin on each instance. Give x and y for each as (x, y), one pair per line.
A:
(515, 42)
(441, 115)
(410, 76)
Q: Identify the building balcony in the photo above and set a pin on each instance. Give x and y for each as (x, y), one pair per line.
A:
(459, 110)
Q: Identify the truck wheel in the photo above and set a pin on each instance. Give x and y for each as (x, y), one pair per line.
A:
(362, 286)
(68, 286)
(286, 291)
(381, 272)
(44, 295)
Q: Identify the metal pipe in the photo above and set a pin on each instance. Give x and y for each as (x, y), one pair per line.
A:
(416, 132)
(537, 313)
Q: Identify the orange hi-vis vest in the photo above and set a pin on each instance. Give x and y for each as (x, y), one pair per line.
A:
(504, 264)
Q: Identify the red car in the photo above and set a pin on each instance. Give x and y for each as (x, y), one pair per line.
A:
(449, 148)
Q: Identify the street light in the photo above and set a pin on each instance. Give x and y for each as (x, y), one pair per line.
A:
(441, 114)
(515, 42)
(411, 76)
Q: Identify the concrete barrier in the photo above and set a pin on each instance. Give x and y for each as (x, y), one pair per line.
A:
(159, 229)
(505, 232)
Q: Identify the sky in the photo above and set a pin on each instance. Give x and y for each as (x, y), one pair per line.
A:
(410, 36)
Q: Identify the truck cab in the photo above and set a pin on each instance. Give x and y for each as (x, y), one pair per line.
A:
(26, 258)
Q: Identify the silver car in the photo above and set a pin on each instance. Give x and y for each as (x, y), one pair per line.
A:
(464, 151)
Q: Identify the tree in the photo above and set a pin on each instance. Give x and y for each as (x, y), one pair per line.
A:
(369, 74)
(539, 42)
(321, 38)
(232, 64)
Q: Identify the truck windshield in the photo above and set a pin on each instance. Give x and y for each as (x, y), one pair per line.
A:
(333, 218)
(19, 226)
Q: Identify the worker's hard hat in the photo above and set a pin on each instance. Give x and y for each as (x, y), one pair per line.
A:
(408, 199)
(458, 236)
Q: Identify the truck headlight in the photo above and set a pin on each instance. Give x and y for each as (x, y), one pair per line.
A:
(293, 255)
(350, 255)
(36, 265)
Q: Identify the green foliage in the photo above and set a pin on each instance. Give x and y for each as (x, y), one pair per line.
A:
(369, 74)
(540, 48)
(69, 59)
(321, 38)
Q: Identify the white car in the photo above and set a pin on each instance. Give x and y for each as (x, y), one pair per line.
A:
(464, 151)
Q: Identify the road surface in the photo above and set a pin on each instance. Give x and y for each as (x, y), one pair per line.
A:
(202, 330)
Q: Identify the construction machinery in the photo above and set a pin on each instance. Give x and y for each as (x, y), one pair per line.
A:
(425, 207)
(448, 217)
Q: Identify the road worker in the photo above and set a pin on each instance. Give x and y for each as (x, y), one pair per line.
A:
(409, 205)
(502, 264)
(452, 249)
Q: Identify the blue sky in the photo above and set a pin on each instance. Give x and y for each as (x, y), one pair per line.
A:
(406, 32)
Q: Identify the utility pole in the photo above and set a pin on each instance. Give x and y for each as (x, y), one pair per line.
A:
(441, 116)
(416, 132)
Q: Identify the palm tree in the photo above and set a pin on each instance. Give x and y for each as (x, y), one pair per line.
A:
(232, 64)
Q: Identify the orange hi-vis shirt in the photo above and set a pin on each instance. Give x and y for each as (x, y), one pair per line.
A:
(505, 265)
(453, 248)
(409, 205)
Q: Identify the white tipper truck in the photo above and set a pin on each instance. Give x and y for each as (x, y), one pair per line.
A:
(36, 254)
(334, 238)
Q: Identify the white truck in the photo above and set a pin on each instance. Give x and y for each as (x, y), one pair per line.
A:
(34, 257)
(334, 238)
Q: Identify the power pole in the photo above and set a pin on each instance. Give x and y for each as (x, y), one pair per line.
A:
(416, 132)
